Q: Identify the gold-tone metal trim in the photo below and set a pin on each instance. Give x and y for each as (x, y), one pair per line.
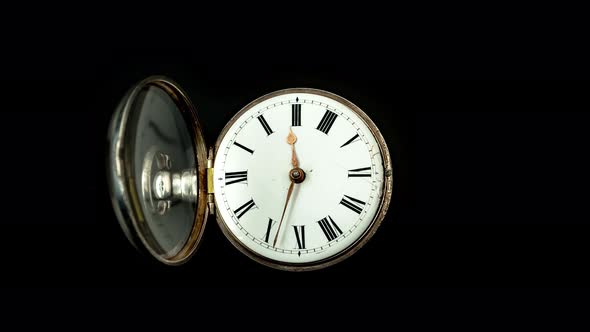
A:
(210, 189)
(385, 198)
(123, 192)
(210, 175)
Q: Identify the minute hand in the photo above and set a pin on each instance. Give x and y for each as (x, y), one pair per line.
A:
(284, 210)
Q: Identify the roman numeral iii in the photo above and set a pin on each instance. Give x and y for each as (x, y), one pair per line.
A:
(235, 177)
(327, 122)
(295, 115)
(354, 204)
(330, 229)
(265, 125)
(300, 235)
(245, 208)
(364, 172)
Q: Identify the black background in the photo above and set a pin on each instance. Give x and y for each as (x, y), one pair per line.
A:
(489, 176)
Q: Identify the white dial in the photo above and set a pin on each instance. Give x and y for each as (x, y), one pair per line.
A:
(327, 213)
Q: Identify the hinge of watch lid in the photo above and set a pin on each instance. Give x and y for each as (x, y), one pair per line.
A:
(210, 188)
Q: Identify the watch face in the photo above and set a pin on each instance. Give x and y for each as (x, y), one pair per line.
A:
(299, 178)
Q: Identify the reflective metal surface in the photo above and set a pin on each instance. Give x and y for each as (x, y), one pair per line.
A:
(155, 173)
(162, 187)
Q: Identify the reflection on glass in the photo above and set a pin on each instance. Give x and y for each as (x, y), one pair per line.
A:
(156, 124)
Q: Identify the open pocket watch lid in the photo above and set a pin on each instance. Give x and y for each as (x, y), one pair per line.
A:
(157, 170)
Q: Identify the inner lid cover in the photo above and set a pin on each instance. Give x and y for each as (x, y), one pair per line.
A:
(157, 170)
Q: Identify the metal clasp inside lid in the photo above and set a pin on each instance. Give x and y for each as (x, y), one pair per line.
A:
(162, 186)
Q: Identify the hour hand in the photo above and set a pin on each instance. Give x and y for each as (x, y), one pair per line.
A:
(291, 139)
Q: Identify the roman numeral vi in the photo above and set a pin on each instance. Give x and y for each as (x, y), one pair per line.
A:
(300, 235)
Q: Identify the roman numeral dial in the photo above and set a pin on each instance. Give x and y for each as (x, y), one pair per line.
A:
(353, 204)
(327, 122)
(364, 172)
(352, 140)
(268, 228)
(265, 125)
(300, 236)
(244, 208)
(245, 148)
(235, 177)
(330, 228)
(296, 115)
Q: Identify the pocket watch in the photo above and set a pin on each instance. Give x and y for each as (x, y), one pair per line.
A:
(299, 179)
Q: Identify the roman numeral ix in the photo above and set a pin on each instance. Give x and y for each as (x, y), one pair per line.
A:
(235, 177)
(354, 204)
(327, 122)
(330, 229)
(245, 208)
